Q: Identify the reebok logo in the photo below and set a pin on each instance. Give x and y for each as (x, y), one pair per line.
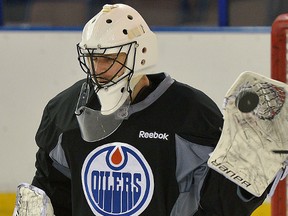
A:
(153, 135)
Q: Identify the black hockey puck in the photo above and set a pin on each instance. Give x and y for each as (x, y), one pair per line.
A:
(247, 101)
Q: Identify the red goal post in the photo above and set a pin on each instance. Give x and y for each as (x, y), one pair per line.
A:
(279, 47)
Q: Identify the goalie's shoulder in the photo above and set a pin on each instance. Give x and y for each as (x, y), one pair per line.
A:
(67, 96)
(194, 97)
(58, 116)
(201, 119)
(61, 108)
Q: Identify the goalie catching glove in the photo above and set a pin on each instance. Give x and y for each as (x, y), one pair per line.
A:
(255, 125)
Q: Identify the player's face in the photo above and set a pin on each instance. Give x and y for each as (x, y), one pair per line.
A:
(108, 67)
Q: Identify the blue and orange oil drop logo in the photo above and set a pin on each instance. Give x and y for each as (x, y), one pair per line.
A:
(117, 180)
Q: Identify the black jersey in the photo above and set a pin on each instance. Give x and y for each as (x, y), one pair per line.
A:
(153, 164)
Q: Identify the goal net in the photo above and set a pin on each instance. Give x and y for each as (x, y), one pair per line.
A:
(279, 69)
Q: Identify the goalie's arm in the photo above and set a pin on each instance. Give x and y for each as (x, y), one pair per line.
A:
(220, 196)
(56, 185)
(58, 116)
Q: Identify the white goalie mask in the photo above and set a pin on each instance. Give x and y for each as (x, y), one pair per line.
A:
(116, 50)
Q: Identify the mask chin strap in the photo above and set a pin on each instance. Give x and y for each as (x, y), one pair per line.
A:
(113, 97)
(129, 90)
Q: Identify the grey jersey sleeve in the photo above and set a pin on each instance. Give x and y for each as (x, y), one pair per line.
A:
(191, 170)
(59, 160)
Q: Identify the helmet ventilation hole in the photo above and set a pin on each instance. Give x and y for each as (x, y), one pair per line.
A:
(144, 50)
(108, 21)
(143, 61)
(130, 17)
(125, 31)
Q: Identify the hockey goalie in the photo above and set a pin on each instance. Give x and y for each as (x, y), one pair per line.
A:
(249, 152)
(127, 140)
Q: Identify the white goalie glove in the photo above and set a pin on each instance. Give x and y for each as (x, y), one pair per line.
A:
(251, 148)
(32, 201)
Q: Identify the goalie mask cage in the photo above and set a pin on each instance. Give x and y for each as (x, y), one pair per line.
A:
(279, 50)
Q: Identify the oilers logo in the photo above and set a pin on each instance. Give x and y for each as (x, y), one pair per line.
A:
(117, 180)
